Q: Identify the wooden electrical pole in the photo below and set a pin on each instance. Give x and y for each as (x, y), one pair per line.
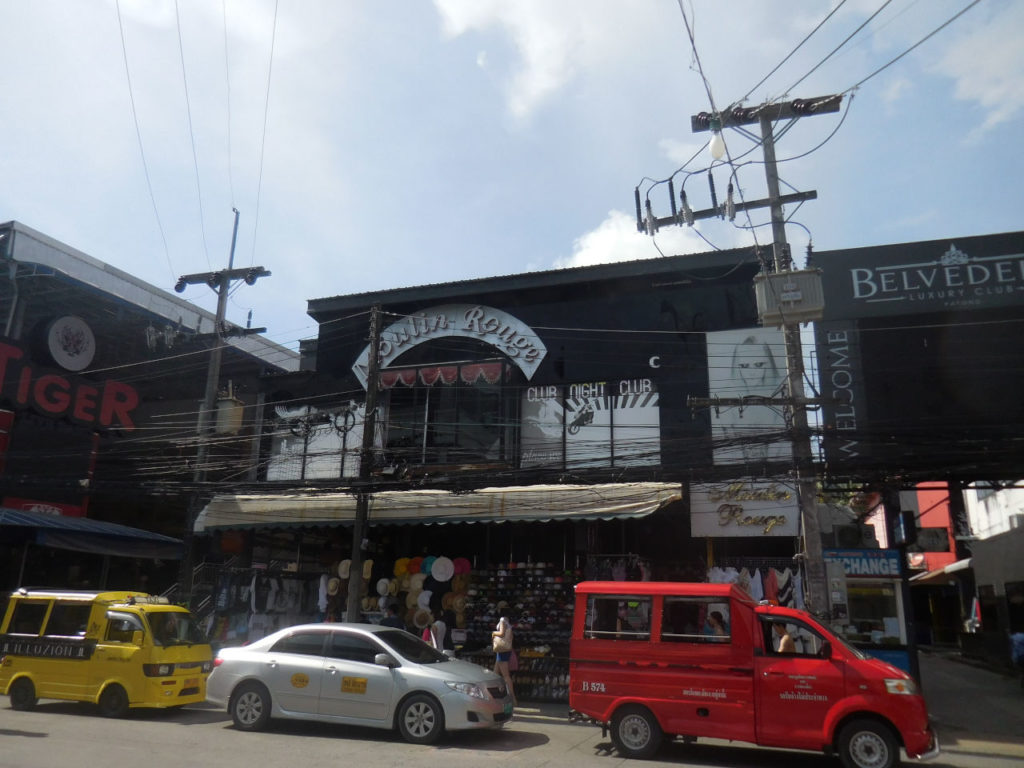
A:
(361, 522)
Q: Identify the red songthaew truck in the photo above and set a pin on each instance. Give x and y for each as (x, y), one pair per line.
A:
(655, 659)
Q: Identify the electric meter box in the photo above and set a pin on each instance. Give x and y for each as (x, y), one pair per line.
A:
(795, 296)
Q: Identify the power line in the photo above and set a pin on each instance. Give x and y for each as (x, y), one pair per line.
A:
(915, 45)
(263, 138)
(798, 47)
(191, 132)
(834, 50)
(138, 136)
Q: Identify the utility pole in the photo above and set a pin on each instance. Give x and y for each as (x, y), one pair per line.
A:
(221, 283)
(360, 524)
(765, 116)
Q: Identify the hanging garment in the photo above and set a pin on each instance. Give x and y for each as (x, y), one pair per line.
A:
(756, 586)
(771, 586)
(785, 579)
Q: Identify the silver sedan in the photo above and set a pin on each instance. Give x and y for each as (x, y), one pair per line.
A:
(356, 674)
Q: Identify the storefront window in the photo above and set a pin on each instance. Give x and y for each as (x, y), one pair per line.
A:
(874, 613)
(451, 414)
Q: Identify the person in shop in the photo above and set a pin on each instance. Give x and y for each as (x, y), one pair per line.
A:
(501, 639)
(392, 619)
(438, 631)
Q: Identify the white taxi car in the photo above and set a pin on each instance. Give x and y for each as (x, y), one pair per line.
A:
(356, 674)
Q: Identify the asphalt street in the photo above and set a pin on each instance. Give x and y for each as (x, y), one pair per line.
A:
(978, 714)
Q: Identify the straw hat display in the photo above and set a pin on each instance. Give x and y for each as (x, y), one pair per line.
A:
(332, 585)
(401, 566)
(383, 585)
(416, 581)
(442, 569)
(367, 569)
(343, 568)
(422, 618)
(393, 587)
(412, 599)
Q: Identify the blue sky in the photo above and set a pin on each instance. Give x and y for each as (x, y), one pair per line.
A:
(415, 142)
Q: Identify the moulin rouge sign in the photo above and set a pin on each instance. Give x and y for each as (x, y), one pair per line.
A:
(103, 404)
(508, 334)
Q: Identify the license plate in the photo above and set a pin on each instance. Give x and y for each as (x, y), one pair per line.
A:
(508, 707)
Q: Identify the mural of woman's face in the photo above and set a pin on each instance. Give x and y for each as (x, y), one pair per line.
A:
(754, 364)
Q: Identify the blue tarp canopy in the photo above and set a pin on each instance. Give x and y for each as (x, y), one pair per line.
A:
(83, 534)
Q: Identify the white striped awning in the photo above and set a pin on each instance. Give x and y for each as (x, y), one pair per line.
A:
(486, 505)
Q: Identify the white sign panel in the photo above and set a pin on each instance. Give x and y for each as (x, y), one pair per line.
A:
(593, 424)
(744, 509)
(748, 363)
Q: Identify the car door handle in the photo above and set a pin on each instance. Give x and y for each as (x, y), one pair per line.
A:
(272, 664)
(332, 670)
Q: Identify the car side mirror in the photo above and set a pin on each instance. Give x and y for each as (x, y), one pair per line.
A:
(385, 660)
(826, 650)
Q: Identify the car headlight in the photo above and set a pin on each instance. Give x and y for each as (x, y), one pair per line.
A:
(908, 687)
(469, 689)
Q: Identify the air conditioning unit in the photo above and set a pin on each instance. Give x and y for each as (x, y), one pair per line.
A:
(795, 296)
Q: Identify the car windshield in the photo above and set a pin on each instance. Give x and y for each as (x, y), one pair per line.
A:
(175, 628)
(410, 647)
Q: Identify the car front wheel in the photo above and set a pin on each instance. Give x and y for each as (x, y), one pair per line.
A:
(867, 744)
(23, 694)
(421, 720)
(250, 707)
(113, 701)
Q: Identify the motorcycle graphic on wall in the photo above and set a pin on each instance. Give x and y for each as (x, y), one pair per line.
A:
(583, 417)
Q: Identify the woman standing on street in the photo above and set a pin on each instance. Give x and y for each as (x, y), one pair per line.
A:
(501, 639)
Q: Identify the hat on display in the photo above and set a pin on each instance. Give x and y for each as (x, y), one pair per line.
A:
(447, 601)
(404, 582)
(383, 586)
(460, 581)
(332, 585)
(382, 603)
(416, 581)
(442, 569)
(415, 565)
(367, 568)
(462, 565)
(393, 587)
(459, 603)
(411, 599)
(422, 618)
(423, 598)
(427, 563)
(343, 568)
(401, 566)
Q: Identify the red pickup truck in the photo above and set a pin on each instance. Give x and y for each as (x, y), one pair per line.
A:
(656, 659)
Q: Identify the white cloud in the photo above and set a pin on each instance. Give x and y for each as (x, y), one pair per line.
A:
(554, 41)
(616, 239)
(987, 65)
